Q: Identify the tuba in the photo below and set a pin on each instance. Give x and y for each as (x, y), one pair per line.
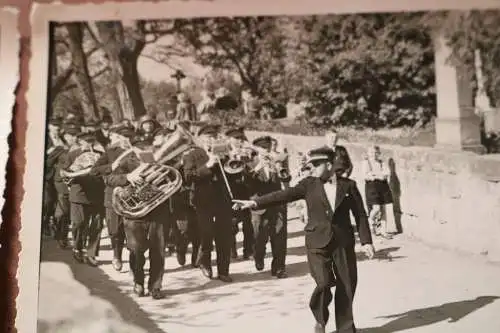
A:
(160, 181)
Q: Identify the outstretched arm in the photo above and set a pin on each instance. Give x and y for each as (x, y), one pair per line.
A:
(275, 198)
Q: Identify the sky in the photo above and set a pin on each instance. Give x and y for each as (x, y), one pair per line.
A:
(154, 71)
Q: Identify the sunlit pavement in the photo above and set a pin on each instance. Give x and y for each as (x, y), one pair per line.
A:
(408, 287)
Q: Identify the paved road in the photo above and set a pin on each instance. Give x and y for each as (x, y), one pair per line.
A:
(408, 288)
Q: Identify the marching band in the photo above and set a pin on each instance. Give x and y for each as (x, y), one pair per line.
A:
(154, 185)
(158, 188)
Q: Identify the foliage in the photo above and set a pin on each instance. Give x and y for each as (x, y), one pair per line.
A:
(251, 47)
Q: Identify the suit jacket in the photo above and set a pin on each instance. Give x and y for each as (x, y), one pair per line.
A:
(102, 168)
(207, 183)
(85, 189)
(326, 223)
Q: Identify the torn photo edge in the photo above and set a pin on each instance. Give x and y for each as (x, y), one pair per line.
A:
(42, 14)
(9, 67)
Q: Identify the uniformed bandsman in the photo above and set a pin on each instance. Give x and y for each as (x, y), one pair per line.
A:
(86, 196)
(119, 142)
(239, 185)
(269, 224)
(212, 202)
(142, 234)
(55, 146)
(62, 212)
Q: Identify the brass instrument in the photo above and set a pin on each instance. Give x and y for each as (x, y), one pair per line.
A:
(82, 165)
(159, 181)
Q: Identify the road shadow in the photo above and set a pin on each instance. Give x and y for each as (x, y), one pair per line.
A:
(100, 285)
(450, 312)
(384, 254)
(395, 186)
(294, 270)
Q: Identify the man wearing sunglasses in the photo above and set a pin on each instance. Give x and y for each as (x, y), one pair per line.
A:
(329, 235)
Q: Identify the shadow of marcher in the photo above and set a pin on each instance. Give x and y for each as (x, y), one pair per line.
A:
(99, 285)
(381, 255)
(451, 312)
(395, 186)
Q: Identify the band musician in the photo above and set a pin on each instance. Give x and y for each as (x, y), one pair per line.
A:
(269, 224)
(55, 147)
(119, 142)
(238, 179)
(212, 202)
(86, 196)
(142, 234)
(329, 236)
(56, 160)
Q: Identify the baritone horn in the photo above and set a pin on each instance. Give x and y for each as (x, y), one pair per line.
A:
(159, 180)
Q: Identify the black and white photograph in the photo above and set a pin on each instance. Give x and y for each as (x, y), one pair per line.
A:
(312, 168)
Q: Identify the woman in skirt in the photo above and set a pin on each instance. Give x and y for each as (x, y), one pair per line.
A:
(377, 191)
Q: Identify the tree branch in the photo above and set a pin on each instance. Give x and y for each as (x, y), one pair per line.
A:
(94, 76)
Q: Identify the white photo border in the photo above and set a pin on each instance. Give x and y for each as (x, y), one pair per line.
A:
(42, 14)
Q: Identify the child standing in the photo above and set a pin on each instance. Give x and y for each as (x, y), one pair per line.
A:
(377, 191)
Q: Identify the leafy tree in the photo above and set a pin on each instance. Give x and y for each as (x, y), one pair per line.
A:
(369, 70)
(251, 47)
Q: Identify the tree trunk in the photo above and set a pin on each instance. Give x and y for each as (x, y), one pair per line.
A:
(81, 72)
(132, 82)
(122, 57)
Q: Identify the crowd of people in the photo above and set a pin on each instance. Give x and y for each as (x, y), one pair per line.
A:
(227, 182)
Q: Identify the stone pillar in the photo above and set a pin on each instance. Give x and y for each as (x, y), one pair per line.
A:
(457, 125)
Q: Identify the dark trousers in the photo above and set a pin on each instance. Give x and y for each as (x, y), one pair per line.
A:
(215, 223)
(185, 231)
(327, 265)
(245, 218)
(116, 232)
(142, 236)
(86, 227)
(271, 226)
(62, 216)
(49, 204)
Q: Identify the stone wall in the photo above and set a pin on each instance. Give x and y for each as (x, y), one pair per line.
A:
(445, 199)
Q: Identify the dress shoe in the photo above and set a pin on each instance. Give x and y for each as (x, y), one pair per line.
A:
(281, 274)
(78, 256)
(206, 271)
(157, 294)
(319, 328)
(181, 258)
(139, 290)
(259, 265)
(225, 278)
(92, 261)
(63, 244)
(117, 264)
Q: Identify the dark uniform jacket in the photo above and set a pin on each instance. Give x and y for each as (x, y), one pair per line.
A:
(325, 222)
(102, 168)
(207, 183)
(84, 189)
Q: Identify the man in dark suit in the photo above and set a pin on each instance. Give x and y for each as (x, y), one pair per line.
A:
(269, 224)
(86, 196)
(343, 164)
(145, 233)
(119, 136)
(329, 235)
(212, 203)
